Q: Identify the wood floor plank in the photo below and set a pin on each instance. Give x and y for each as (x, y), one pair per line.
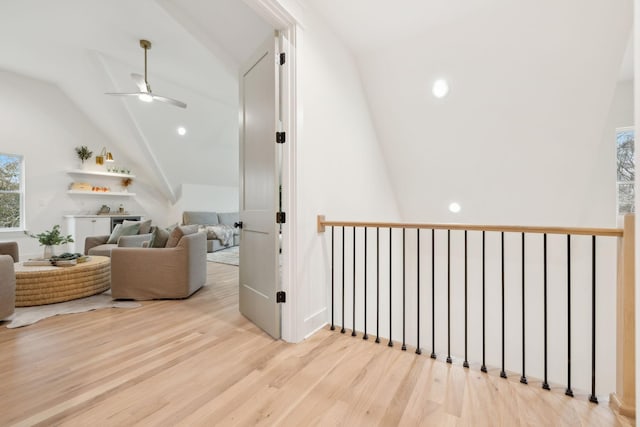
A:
(199, 362)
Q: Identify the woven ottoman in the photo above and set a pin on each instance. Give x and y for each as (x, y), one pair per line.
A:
(48, 284)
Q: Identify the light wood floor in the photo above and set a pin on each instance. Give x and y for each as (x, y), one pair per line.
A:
(199, 362)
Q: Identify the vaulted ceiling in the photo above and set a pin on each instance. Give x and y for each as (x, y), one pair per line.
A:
(89, 47)
(527, 79)
(531, 85)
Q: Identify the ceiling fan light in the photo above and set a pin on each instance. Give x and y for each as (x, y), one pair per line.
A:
(145, 97)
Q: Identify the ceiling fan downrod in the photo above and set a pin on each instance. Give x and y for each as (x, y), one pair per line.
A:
(145, 44)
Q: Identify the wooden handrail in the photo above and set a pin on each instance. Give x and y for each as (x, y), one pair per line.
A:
(613, 232)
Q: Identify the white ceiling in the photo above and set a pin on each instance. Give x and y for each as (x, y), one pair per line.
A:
(89, 47)
(529, 80)
(366, 25)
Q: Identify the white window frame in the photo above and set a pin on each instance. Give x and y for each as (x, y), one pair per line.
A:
(20, 191)
(619, 183)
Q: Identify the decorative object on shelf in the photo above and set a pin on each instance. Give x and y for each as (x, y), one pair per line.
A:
(126, 182)
(145, 94)
(51, 238)
(83, 153)
(104, 210)
(81, 186)
(100, 189)
(104, 156)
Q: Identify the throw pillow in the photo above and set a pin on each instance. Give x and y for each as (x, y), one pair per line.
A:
(123, 230)
(160, 237)
(145, 226)
(178, 232)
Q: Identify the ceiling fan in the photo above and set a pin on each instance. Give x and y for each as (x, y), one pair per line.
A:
(145, 93)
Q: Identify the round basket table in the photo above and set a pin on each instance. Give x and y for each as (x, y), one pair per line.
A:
(40, 285)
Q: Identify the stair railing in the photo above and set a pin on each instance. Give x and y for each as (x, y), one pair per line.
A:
(386, 244)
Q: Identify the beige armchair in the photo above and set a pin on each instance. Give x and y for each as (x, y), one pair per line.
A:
(160, 273)
(7, 286)
(10, 248)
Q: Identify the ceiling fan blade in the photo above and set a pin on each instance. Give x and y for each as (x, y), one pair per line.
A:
(169, 101)
(143, 85)
(127, 94)
(139, 81)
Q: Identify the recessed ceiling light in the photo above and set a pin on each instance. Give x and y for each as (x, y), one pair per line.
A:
(182, 131)
(440, 88)
(454, 207)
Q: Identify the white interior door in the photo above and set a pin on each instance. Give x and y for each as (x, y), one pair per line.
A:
(259, 189)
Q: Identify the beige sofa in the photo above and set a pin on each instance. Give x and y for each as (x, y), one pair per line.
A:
(97, 245)
(208, 221)
(7, 286)
(160, 273)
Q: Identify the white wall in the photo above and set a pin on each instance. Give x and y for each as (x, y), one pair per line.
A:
(340, 168)
(518, 139)
(41, 123)
(195, 197)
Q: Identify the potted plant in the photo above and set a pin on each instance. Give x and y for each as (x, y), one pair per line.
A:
(51, 238)
(83, 153)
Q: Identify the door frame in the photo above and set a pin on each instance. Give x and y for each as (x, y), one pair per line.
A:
(284, 15)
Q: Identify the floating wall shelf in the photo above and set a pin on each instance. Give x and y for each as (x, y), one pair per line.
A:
(101, 193)
(99, 173)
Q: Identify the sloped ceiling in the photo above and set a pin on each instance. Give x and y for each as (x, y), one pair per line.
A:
(89, 47)
(531, 86)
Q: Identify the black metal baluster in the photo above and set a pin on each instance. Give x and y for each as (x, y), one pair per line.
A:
(333, 328)
(449, 360)
(377, 285)
(503, 373)
(593, 398)
(342, 330)
(483, 368)
(466, 361)
(568, 391)
(404, 344)
(418, 351)
(365, 336)
(390, 290)
(433, 294)
(523, 377)
(545, 383)
(353, 331)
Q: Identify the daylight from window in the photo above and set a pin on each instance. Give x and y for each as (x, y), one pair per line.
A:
(10, 191)
(625, 169)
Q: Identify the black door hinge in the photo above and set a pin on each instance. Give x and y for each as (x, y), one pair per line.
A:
(281, 296)
(280, 137)
(283, 58)
(281, 217)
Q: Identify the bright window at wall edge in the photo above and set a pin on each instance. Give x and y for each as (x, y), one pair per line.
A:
(11, 192)
(625, 170)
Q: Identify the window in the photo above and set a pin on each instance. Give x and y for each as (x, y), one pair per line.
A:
(11, 192)
(626, 170)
